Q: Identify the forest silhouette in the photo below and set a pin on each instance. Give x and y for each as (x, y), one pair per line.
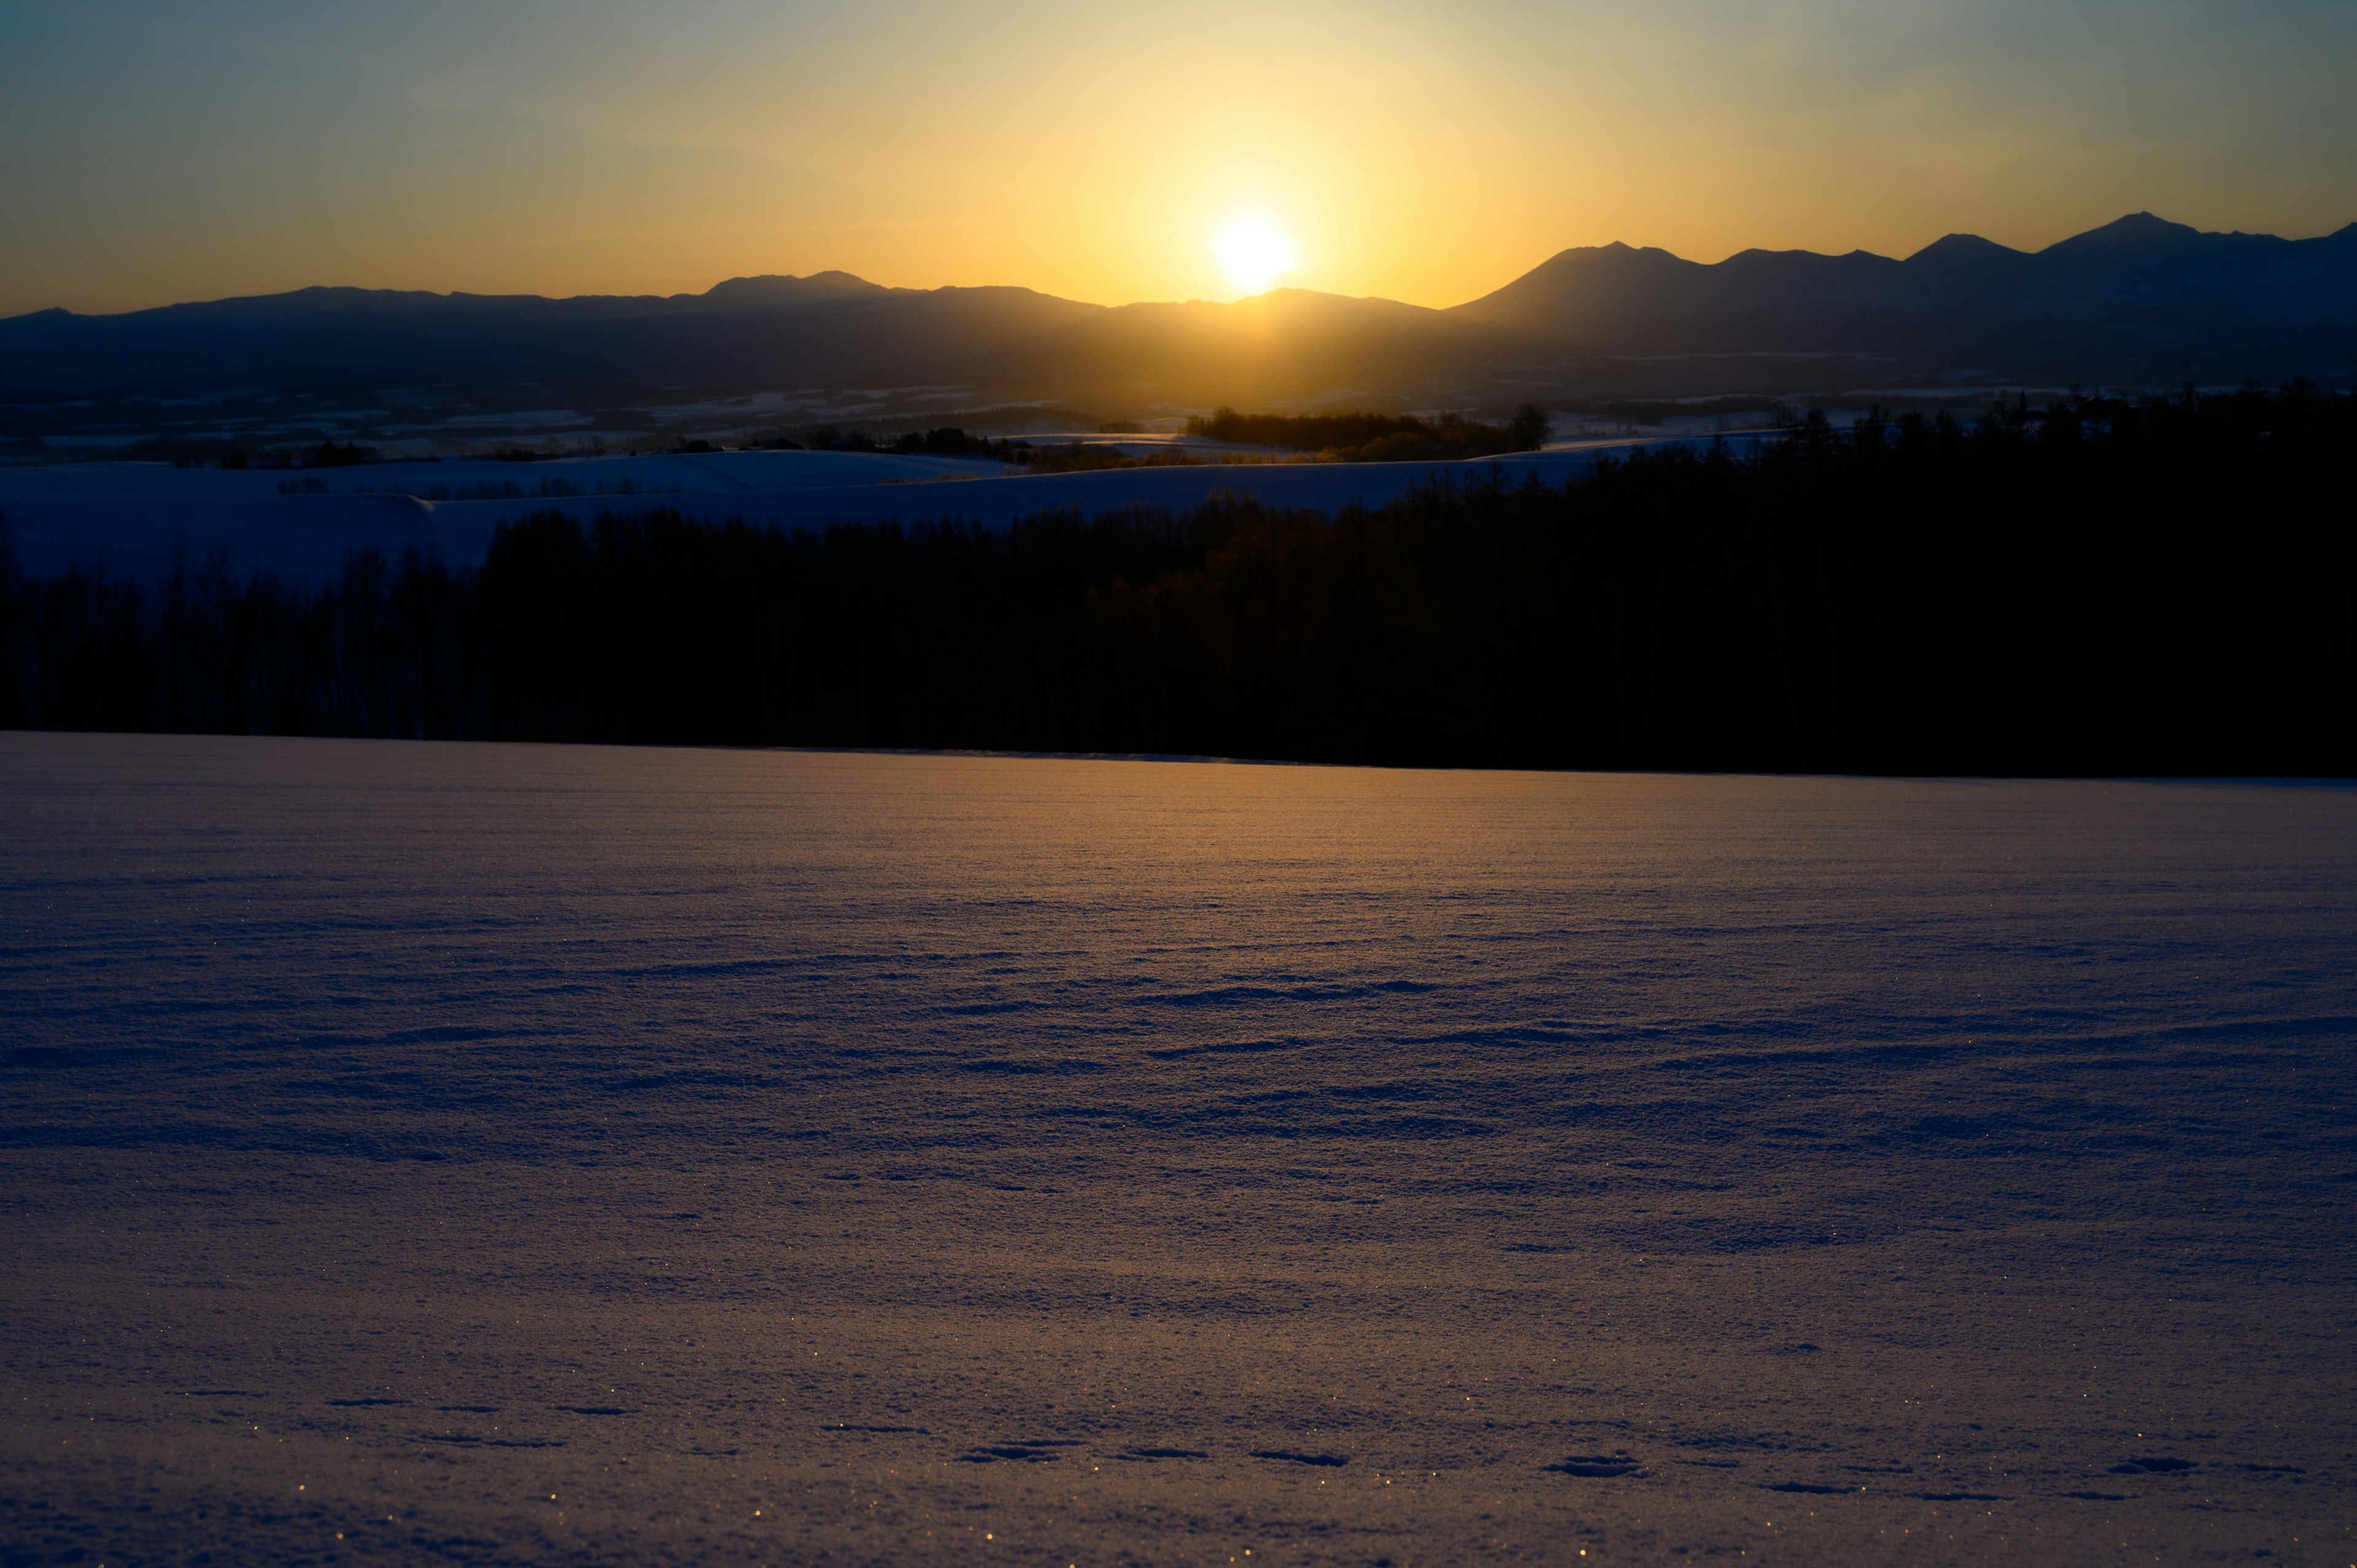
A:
(2100, 587)
(1379, 438)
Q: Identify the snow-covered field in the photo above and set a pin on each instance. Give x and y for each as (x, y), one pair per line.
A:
(138, 514)
(518, 1154)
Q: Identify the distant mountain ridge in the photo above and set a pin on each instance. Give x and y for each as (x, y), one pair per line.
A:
(2139, 272)
(2140, 301)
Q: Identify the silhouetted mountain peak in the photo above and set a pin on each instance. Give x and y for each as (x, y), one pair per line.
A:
(2136, 232)
(1784, 262)
(771, 286)
(1953, 249)
(1615, 252)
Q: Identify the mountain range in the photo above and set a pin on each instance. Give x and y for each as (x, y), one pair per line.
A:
(2139, 302)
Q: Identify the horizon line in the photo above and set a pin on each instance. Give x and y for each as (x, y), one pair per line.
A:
(1136, 304)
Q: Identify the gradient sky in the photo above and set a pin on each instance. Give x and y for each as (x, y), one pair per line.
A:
(153, 151)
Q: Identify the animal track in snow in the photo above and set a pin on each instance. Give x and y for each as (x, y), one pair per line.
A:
(1035, 1451)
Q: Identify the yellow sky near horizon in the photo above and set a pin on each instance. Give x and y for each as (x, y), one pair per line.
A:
(160, 154)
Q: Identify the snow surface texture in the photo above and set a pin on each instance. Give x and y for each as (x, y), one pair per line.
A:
(530, 1155)
(137, 514)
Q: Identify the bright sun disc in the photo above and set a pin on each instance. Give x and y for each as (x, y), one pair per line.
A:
(1254, 254)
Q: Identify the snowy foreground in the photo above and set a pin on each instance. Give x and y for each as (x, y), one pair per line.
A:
(137, 514)
(530, 1155)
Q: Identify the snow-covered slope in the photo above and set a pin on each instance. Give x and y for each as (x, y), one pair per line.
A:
(572, 1155)
(138, 515)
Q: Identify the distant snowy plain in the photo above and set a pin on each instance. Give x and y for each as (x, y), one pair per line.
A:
(137, 516)
(508, 1155)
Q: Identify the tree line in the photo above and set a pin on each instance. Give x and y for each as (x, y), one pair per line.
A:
(2100, 587)
(1380, 437)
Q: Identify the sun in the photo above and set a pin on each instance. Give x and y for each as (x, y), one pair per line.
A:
(1254, 253)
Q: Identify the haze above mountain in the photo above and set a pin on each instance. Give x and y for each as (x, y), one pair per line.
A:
(2138, 301)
